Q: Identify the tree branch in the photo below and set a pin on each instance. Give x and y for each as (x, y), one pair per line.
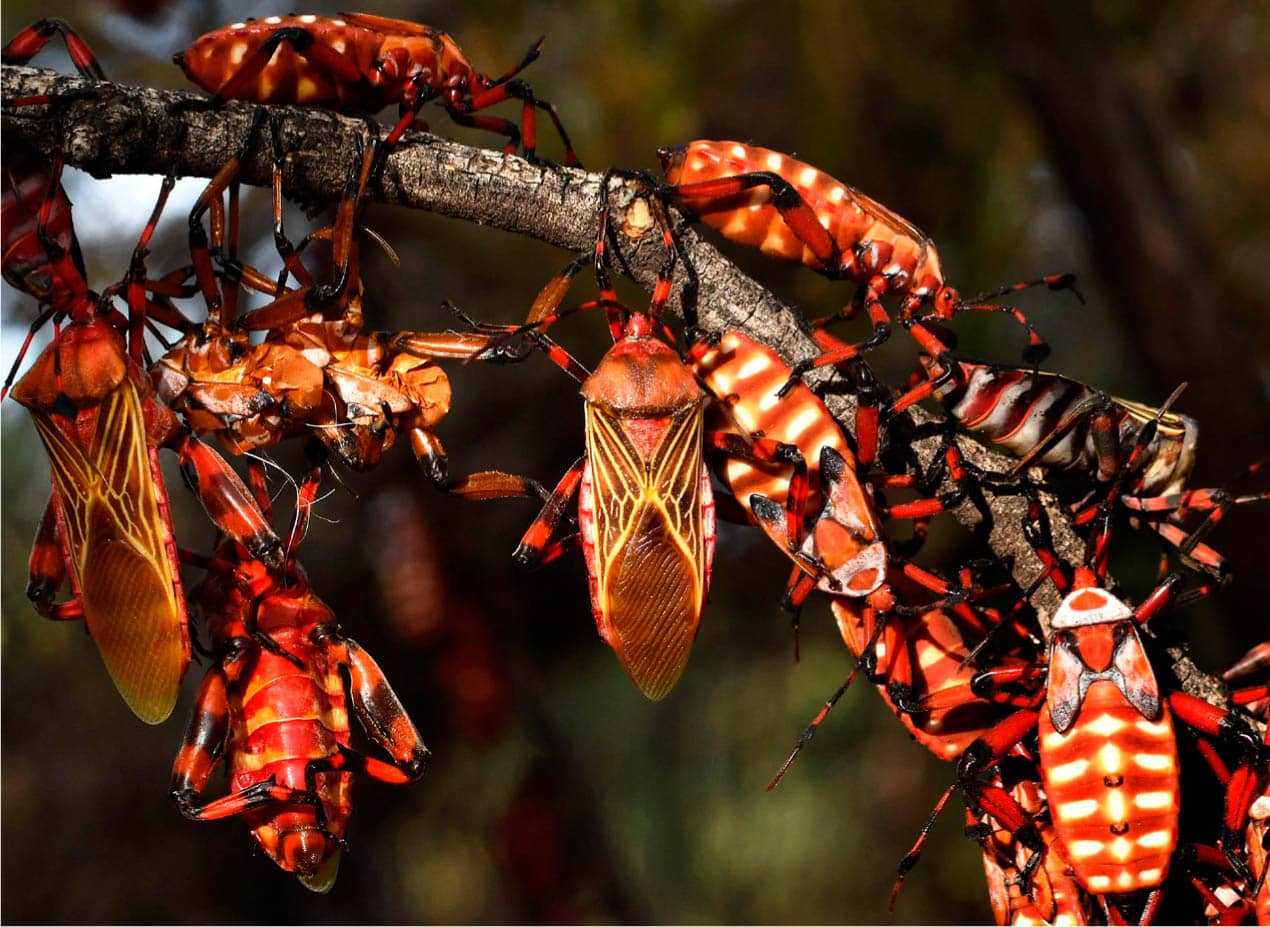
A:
(107, 128)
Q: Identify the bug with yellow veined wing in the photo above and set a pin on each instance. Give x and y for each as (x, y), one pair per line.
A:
(107, 528)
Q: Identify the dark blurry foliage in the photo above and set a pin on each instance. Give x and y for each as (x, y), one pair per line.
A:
(556, 791)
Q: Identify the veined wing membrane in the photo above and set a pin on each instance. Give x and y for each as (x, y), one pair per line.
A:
(118, 546)
(650, 544)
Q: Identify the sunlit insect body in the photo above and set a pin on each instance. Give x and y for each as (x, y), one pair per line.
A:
(792, 210)
(360, 63)
(1108, 754)
(277, 715)
(847, 547)
(1108, 751)
(919, 663)
(107, 527)
(646, 511)
(645, 506)
(844, 551)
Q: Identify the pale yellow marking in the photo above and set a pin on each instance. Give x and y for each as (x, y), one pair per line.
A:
(1125, 879)
(775, 162)
(1153, 801)
(1154, 728)
(808, 176)
(1151, 877)
(1083, 848)
(338, 44)
(737, 225)
(305, 89)
(1116, 805)
(752, 367)
(880, 650)
(769, 402)
(836, 195)
(1068, 771)
(1105, 725)
(266, 85)
(338, 22)
(1065, 920)
(1099, 883)
(238, 26)
(806, 419)
(928, 656)
(1054, 740)
(1154, 761)
(1022, 920)
(273, 20)
(738, 151)
(1156, 839)
(238, 53)
(1074, 810)
(1109, 758)
(1121, 849)
(308, 18)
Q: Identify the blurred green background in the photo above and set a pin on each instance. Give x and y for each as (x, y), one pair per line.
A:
(1127, 144)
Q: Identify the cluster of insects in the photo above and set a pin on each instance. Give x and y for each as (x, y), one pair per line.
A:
(1067, 738)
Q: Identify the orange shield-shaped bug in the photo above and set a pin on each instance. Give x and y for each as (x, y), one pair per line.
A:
(646, 512)
(112, 513)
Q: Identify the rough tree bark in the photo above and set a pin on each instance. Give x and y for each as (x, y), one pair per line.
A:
(111, 129)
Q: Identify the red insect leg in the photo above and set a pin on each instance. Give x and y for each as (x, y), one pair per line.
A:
(30, 41)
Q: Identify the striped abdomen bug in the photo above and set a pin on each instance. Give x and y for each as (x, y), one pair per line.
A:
(274, 706)
(791, 210)
(1143, 455)
(1108, 752)
(360, 63)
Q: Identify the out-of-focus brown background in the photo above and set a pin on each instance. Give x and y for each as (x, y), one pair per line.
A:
(1127, 144)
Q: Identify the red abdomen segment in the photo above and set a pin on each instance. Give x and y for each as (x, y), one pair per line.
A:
(749, 217)
(289, 77)
(1112, 782)
(746, 376)
(353, 63)
(927, 653)
(287, 718)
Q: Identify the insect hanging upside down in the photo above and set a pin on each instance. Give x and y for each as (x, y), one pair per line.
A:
(274, 707)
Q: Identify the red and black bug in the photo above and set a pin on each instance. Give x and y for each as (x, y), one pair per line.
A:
(360, 63)
(107, 526)
(277, 715)
(789, 209)
(1055, 422)
(1107, 750)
